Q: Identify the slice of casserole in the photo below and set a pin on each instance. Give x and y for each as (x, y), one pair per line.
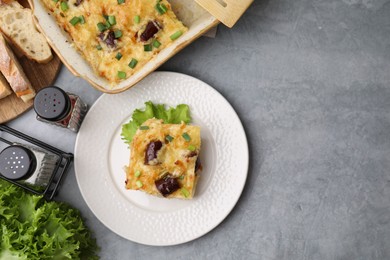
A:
(117, 37)
(163, 159)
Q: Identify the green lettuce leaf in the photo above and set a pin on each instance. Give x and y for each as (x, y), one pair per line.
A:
(32, 228)
(170, 116)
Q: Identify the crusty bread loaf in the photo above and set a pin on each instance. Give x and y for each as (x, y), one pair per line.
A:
(16, 22)
(4, 87)
(13, 72)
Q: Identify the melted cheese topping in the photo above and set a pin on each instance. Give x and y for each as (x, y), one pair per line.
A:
(86, 35)
(174, 158)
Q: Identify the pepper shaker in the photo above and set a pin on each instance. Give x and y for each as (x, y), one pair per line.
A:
(55, 106)
(27, 165)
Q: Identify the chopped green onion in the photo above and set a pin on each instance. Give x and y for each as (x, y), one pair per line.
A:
(121, 74)
(137, 19)
(133, 63)
(176, 35)
(137, 173)
(121, 2)
(161, 8)
(181, 177)
(75, 20)
(156, 43)
(139, 184)
(82, 19)
(118, 34)
(144, 127)
(186, 137)
(99, 47)
(191, 148)
(64, 6)
(55, 1)
(169, 138)
(118, 56)
(148, 47)
(111, 19)
(185, 192)
(101, 27)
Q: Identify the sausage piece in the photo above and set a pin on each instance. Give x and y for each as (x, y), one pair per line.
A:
(151, 29)
(151, 152)
(167, 185)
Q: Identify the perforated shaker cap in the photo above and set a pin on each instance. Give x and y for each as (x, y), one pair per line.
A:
(52, 103)
(17, 162)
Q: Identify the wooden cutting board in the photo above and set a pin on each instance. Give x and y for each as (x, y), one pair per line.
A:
(40, 76)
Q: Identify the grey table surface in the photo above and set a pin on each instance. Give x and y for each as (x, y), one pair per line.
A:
(310, 81)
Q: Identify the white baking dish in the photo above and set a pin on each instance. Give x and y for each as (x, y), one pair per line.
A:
(193, 16)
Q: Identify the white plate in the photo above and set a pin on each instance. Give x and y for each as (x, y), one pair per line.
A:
(100, 155)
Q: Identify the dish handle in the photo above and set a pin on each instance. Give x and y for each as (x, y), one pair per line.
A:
(226, 11)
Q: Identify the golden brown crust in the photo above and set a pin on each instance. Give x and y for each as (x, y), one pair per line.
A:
(176, 158)
(104, 59)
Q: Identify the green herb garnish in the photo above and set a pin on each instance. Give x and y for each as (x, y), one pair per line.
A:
(111, 19)
(144, 127)
(176, 35)
(82, 19)
(169, 138)
(156, 43)
(133, 63)
(186, 137)
(181, 113)
(118, 34)
(137, 173)
(137, 19)
(161, 8)
(75, 20)
(121, 74)
(148, 47)
(185, 192)
(102, 27)
(191, 148)
(118, 56)
(64, 6)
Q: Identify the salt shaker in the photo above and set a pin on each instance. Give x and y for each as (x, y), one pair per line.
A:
(28, 165)
(55, 106)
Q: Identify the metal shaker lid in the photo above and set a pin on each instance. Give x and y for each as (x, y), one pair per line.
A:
(17, 162)
(52, 103)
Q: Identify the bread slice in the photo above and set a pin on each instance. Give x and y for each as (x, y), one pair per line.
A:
(17, 25)
(4, 87)
(14, 73)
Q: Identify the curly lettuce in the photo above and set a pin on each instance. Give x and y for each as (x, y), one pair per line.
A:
(181, 113)
(32, 228)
